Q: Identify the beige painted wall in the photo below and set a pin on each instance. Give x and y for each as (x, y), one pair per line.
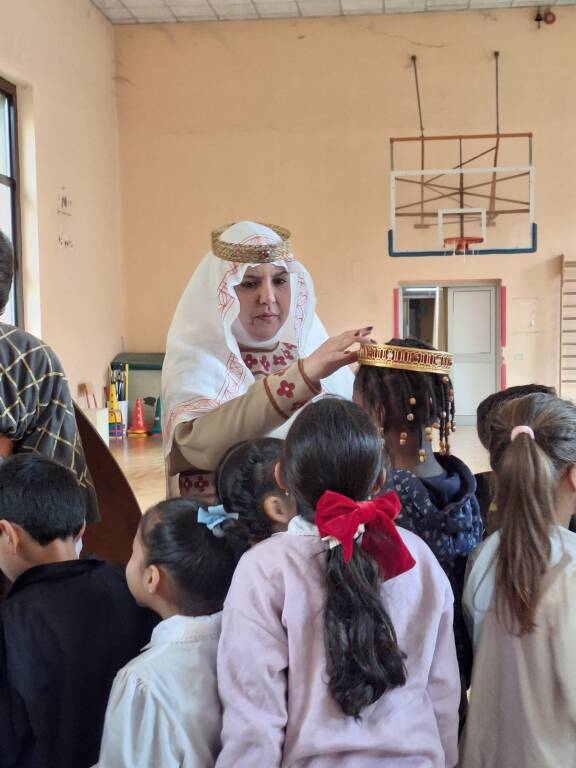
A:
(289, 121)
(61, 55)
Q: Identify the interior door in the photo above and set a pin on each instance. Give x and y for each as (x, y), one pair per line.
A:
(471, 319)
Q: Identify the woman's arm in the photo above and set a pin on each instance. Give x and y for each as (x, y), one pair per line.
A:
(267, 404)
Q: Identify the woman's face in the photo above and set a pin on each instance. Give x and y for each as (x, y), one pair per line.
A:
(264, 296)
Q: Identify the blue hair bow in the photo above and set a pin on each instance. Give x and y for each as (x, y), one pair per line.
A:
(214, 516)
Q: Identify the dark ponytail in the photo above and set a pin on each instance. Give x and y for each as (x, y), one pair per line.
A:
(333, 445)
(200, 565)
(527, 475)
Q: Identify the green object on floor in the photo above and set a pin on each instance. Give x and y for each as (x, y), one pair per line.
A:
(156, 430)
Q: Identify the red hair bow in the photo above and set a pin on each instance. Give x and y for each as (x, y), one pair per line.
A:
(340, 518)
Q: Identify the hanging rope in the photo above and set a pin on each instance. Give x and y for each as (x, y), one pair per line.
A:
(496, 58)
(418, 95)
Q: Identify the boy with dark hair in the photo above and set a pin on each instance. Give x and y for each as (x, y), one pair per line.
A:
(36, 409)
(66, 627)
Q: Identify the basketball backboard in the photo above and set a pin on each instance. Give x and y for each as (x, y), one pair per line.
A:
(462, 194)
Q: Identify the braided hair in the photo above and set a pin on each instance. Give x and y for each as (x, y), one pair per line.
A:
(244, 478)
(409, 401)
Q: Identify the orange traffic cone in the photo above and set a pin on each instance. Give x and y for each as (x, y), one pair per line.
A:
(138, 427)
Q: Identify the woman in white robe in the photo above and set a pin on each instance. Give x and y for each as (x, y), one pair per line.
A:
(245, 351)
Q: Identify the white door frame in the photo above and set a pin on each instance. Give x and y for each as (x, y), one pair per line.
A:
(431, 284)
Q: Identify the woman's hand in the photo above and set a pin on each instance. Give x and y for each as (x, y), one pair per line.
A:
(334, 354)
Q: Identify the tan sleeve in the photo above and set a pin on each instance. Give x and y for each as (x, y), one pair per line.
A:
(267, 404)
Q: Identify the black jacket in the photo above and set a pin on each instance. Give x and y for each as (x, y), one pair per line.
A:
(65, 631)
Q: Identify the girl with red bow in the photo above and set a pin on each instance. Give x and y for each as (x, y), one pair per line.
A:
(337, 646)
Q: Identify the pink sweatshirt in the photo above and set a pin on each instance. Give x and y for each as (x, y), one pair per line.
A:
(278, 711)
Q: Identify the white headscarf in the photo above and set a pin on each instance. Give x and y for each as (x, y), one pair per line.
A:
(203, 367)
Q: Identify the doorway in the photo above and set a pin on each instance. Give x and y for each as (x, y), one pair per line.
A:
(463, 319)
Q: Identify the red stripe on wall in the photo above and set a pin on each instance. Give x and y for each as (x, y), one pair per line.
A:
(503, 315)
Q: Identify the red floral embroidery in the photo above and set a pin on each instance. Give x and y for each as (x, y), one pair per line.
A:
(201, 484)
(265, 363)
(288, 355)
(289, 346)
(250, 361)
(279, 360)
(286, 389)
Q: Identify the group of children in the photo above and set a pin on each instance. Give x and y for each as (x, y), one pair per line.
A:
(332, 610)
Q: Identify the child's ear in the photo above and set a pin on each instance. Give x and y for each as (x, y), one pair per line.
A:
(12, 535)
(152, 579)
(571, 478)
(80, 533)
(278, 477)
(6, 446)
(276, 510)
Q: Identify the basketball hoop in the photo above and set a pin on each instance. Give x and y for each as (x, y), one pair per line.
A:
(461, 245)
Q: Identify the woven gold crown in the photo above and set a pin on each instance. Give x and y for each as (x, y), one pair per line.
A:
(251, 253)
(406, 358)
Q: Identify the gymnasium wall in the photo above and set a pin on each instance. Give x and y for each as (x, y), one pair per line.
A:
(61, 55)
(288, 122)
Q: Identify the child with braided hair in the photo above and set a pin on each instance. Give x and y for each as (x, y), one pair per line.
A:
(247, 489)
(405, 385)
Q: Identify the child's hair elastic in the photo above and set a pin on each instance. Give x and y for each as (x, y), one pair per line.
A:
(341, 521)
(213, 517)
(521, 430)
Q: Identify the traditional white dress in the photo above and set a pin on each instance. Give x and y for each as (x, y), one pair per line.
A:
(220, 387)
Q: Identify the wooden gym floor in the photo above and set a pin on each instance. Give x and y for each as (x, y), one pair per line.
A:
(143, 463)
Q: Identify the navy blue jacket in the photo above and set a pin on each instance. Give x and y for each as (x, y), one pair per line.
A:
(443, 511)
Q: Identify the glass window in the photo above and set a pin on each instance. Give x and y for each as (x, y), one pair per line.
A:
(9, 193)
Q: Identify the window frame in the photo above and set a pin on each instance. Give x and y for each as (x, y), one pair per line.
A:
(13, 183)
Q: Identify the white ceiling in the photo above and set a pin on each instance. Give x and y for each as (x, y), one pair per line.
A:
(154, 11)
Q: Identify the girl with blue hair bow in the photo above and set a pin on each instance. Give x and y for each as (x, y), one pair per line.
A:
(164, 707)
